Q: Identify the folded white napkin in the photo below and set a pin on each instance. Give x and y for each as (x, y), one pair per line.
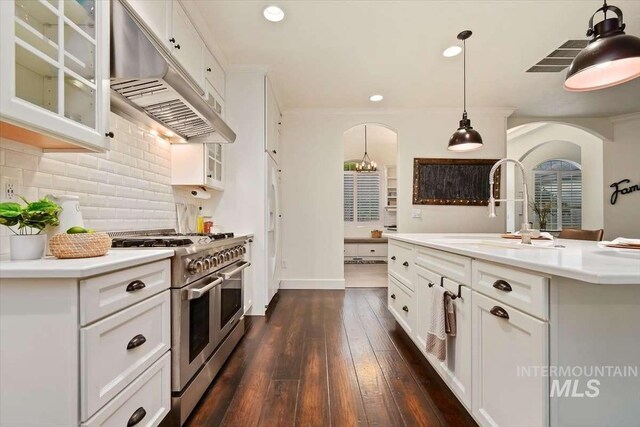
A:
(620, 241)
(543, 234)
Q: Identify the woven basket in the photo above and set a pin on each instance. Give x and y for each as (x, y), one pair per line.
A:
(81, 245)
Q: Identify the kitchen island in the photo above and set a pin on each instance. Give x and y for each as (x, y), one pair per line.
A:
(545, 335)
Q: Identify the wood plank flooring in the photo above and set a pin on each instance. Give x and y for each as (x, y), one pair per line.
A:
(328, 358)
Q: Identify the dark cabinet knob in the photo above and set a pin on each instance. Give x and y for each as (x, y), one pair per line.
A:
(274, 151)
(502, 285)
(393, 296)
(210, 176)
(109, 134)
(136, 341)
(136, 417)
(405, 308)
(406, 264)
(499, 312)
(209, 69)
(431, 284)
(136, 285)
(172, 40)
(393, 258)
(373, 250)
(177, 46)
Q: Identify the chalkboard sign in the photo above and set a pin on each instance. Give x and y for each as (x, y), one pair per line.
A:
(453, 182)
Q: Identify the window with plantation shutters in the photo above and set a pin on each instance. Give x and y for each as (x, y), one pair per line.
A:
(558, 184)
(361, 196)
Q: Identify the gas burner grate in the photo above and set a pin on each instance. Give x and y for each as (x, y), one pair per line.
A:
(149, 243)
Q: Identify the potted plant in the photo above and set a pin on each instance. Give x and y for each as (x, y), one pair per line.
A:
(542, 211)
(31, 219)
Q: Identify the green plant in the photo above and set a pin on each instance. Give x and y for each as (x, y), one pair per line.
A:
(34, 215)
(542, 210)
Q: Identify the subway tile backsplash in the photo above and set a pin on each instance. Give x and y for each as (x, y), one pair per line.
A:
(127, 188)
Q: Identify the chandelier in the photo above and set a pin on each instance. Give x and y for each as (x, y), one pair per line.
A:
(366, 165)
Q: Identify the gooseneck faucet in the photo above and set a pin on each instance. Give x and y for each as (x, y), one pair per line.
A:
(525, 231)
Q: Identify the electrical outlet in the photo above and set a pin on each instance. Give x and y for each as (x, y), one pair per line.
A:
(416, 213)
(11, 189)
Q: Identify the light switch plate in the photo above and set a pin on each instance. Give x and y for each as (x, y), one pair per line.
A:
(416, 213)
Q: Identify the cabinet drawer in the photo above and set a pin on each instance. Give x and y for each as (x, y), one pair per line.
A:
(372, 249)
(452, 266)
(525, 291)
(148, 395)
(112, 352)
(504, 342)
(351, 249)
(103, 295)
(401, 259)
(402, 305)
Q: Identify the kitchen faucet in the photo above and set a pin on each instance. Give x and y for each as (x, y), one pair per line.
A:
(525, 231)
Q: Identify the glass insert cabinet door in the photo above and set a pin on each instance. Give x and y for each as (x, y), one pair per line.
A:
(55, 68)
(214, 165)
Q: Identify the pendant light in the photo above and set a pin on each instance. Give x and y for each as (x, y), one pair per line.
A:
(611, 57)
(466, 138)
(366, 165)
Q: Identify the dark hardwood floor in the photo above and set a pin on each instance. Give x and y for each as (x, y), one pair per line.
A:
(328, 358)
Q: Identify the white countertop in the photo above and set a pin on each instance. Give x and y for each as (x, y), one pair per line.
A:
(50, 267)
(579, 260)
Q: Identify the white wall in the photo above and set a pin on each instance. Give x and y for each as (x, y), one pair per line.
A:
(382, 148)
(542, 141)
(312, 157)
(127, 188)
(622, 161)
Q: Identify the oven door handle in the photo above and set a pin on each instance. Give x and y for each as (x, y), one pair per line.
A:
(227, 275)
(190, 294)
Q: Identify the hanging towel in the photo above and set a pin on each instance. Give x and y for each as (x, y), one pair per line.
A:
(436, 329)
(449, 314)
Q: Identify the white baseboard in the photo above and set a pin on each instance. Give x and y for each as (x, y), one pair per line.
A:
(312, 284)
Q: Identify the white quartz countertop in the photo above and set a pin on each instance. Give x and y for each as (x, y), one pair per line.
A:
(579, 260)
(50, 267)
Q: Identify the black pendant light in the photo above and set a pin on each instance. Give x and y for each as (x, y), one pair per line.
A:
(611, 58)
(466, 138)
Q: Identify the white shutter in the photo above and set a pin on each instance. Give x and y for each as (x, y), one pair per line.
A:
(560, 183)
(349, 196)
(368, 196)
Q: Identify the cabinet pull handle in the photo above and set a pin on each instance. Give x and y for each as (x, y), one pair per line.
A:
(499, 311)
(393, 296)
(172, 40)
(136, 341)
(136, 417)
(209, 69)
(373, 250)
(431, 284)
(502, 285)
(177, 46)
(406, 263)
(405, 308)
(109, 134)
(136, 285)
(393, 258)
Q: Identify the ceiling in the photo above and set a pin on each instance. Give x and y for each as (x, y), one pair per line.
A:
(335, 54)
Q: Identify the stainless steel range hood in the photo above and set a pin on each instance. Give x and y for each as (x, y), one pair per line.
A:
(148, 86)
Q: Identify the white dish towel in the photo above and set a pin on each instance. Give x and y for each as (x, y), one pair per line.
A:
(436, 329)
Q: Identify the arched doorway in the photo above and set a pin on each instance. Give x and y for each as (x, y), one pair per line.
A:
(370, 201)
(547, 145)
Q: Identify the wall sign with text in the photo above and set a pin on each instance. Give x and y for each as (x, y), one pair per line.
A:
(622, 187)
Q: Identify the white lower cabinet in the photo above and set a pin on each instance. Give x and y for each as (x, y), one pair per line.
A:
(506, 343)
(401, 304)
(456, 368)
(144, 403)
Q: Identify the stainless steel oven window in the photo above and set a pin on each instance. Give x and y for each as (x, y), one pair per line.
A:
(199, 325)
(230, 298)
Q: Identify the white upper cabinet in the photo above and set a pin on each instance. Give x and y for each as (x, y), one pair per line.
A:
(156, 15)
(187, 46)
(213, 73)
(197, 165)
(273, 121)
(55, 72)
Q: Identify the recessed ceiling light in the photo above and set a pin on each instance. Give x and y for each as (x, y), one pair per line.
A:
(376, 98)
(273, 13)
(452, 51)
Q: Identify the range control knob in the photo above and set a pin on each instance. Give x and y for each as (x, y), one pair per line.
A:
(244, 250)
(227, 255)
(236, 252)
(195, 266)
(220, 258)
(213, 260)
(206, 263)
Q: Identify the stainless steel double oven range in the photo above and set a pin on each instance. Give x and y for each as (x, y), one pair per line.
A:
(207, 318)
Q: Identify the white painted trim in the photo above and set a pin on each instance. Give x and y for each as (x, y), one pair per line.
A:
(626, 117)
(322, 284)
(503, 111)
(239, 68)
